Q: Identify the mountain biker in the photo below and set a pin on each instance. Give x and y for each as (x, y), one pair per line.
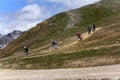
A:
(89, 30)
(94, 27)
(25, 50)
(54, 44)
(79, 36)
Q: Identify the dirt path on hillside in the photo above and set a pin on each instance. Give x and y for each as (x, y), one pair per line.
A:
(92, 48)
(72, 42)
(110, 72)
(104, 46)
(84, 36)
(96, 48)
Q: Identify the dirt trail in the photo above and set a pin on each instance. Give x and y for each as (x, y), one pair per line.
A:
(96, 48)
(85, 35)
(73, 41)
(110, 72)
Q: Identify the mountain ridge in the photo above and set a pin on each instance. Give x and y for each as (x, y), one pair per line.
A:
(6, 39)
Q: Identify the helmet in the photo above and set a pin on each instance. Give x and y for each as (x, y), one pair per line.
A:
(24, 47)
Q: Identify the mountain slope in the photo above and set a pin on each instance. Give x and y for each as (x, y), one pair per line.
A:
(0, 35)
(6, 39)
(65, 25)
(99, 48)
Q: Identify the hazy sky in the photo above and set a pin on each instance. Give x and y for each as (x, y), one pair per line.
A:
(24, 14)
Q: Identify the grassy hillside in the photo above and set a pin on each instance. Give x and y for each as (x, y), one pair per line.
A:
(101, 46)
(102, 13)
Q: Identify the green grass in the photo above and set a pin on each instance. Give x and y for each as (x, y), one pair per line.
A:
(107, 36)
(57, 60)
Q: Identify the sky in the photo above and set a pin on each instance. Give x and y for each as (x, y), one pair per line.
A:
(25, 14)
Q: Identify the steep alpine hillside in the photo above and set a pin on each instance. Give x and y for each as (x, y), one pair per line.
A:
(65, 25)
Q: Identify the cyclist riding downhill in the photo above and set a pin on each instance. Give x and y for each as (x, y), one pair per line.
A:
(89, 29)
(79, 36)
(93, 27)
(25, 50)
(54, 45)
